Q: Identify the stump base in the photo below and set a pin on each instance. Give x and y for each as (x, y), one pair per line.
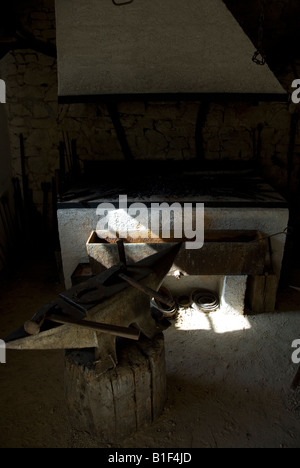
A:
(121, 401)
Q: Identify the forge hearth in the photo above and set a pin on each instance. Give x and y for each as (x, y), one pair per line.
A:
(223, 253)
(241, 212)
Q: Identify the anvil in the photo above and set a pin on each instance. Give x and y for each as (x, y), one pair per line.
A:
(92, 314)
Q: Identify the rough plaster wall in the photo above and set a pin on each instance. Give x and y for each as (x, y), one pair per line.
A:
(172, 46)
(234, 130)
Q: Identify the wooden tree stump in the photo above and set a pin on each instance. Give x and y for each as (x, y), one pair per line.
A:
(121, 401)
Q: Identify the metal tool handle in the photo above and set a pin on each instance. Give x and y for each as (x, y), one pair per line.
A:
(121, 250)
(150, 292)
(115, 330)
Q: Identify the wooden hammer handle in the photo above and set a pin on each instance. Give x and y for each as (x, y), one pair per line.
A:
(115, 330)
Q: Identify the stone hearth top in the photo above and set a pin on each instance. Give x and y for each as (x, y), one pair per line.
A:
(214, 190)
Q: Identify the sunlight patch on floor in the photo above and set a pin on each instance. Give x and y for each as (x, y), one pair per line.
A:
(218, 321)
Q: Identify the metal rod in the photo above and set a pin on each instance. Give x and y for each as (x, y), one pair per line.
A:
(115, 117)
(115, 330)
(121, 250)
(294, 287)
(150, 292)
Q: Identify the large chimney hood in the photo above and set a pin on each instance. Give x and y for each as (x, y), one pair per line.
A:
(156, 47)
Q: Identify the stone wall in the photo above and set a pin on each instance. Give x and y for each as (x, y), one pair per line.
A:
(155, 130)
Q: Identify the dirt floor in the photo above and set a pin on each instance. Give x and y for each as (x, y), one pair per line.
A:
(228, 378)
